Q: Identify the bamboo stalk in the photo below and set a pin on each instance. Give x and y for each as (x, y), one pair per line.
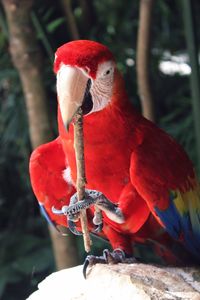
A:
(81, 178)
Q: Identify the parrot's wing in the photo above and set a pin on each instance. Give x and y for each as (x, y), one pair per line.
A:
(163, 175)
(47, 169)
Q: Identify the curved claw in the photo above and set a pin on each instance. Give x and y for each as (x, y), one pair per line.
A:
(91, 260)
(85, 266)
(72, 228)
(116, 256)
(57, 211)
(98, 228)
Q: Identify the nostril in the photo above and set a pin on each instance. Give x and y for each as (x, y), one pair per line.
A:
(87, 70)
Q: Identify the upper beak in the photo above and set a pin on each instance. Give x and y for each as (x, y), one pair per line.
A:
(71, 86)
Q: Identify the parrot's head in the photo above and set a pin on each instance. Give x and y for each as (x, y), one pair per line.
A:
(85, 74)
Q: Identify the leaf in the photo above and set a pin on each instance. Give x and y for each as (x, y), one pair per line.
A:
(7, 275)
(52, 26)
(38, 261)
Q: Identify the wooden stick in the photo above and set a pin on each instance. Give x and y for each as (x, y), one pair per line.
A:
(81, 178)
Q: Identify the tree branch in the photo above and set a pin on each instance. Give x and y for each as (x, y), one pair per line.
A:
(192, 45)
(71, 22)
(142, 58)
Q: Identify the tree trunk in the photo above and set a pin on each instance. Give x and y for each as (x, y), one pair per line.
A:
(65, 249)
(71, 22)
(192, 45)
(27, 59)
(88, 16)
(142, 58)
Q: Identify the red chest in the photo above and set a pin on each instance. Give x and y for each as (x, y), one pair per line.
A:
(109, 140)
(107, 165)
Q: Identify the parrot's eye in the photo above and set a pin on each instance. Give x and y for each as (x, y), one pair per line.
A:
(106, 70)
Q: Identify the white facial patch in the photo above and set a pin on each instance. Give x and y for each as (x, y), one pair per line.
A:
(102, 86)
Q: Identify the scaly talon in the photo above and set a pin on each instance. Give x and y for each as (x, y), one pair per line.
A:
(114, 257)
(90, 261)
(73, 229)
(100, 202)
(98, 228)
(97, 220)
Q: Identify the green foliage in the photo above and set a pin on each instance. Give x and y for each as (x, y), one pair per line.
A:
(26, 258)
(25, 253)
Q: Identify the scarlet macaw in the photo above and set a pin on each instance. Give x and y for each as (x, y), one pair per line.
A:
(149, 180)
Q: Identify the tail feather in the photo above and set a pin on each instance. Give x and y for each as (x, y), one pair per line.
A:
(182, 218)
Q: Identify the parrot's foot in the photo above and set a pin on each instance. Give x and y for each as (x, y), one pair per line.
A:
(100, 202)
(114, 257)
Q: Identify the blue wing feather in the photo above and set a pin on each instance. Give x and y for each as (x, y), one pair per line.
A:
(182, 219)
(46, 216)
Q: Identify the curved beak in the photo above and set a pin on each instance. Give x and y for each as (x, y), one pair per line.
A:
(71, 86)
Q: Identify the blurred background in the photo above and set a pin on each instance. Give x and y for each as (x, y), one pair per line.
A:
(156, 48)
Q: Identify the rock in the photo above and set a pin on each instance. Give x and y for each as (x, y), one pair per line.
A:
(124, 282)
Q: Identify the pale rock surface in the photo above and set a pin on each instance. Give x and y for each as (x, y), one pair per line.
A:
(124, 282)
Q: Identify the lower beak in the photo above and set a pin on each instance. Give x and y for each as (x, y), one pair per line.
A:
(71, 86)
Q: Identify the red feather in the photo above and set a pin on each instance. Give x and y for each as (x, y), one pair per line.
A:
(131, 161)
(83, 54)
